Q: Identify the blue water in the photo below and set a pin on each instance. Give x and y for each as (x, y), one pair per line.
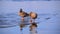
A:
(45, 26)
(47, 21)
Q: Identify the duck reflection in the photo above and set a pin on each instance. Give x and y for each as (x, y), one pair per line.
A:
(22, 25)
(33, 28)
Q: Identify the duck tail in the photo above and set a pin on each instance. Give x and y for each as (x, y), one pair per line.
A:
(27, 14)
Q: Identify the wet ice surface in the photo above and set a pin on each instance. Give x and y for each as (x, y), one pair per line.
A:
(46, 24)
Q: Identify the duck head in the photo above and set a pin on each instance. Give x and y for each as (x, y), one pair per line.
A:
(21, 10)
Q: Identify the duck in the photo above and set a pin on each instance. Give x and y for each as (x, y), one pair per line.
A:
(23, 14)
(33, 16)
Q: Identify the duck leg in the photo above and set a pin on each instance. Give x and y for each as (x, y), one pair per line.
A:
(22, 18)
(34, 20)
(31, 20)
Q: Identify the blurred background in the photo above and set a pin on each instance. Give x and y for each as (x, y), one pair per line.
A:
(29, 0)
(48, 21)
